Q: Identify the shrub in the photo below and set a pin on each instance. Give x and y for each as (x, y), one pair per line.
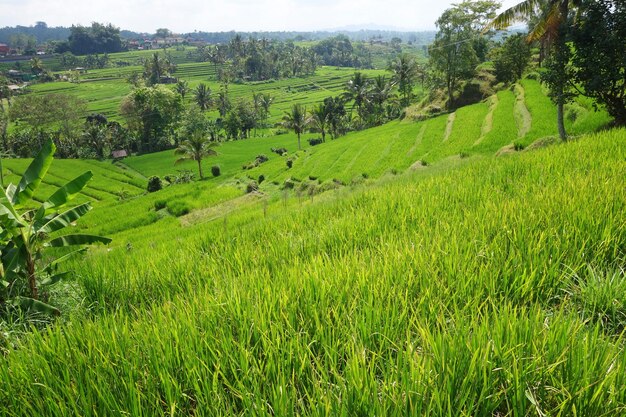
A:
(289, 184)
(279, 151)
(216, 171)
(518, 146)
(160, 205)
(289, 163)
(315, 141)
(261, 178)
(251, 187)
(178, 208)
(154, 184)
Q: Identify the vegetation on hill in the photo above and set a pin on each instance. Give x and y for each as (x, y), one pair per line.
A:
(480, 290)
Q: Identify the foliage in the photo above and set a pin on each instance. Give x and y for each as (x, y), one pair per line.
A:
(405, 72)
(57, 112)
(152, 114)
(96, 39)
(512, 58)
(599, 36)
(195, 148)
(202, 96)
(296, 120)
(339, 51)
(156, 68)
(154, 184)
(26, 233)
(216, 171)
(452, 54)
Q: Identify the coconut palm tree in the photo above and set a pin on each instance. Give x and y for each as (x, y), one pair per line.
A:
(202, 95)
(296, 120)
(357, 89)
(182, 88)
(196, 148)
(551, 28)
(404, 70)
(319, 119)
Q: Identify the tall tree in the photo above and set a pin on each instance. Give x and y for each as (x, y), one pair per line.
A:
(319, 119)
(152, 114)
(357, 91)
(452, 54)
(182, 88)
(599, 54)
(202, 96)
(553, 27)
(404, 69)
(296, 120)
(196, 144)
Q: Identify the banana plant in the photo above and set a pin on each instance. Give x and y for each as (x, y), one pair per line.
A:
(28, 229)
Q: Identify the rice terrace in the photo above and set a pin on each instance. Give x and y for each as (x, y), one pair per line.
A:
(249, 214)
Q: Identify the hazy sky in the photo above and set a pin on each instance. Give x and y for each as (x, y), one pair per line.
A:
(225, 15)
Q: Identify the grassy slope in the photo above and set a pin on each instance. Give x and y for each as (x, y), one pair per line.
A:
(396, 145)
(492, 288)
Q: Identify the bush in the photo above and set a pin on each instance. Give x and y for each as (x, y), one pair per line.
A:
(315, 141)
(518, 146)
(216, 171)
(261, 178)
(160, 204)
(178, 208)
(279, 151)
(289, 163)
(251, 187)
(154, 184)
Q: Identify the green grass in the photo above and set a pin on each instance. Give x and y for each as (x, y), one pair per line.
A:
(483, 289)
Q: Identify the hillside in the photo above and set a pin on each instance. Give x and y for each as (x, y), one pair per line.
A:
(491, 288)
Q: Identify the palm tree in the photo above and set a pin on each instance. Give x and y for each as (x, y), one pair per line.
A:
(195, 149)
(551, 28)
(404, 74)
(381, 92)
(296, 120)
(357, 90)
(182, 88)
(202, 96)
(318, 119)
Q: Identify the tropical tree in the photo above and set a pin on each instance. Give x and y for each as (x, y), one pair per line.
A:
(202, 96)
(296, 120)
(382, 91)
(599, 54)
(152, 114)
(336, 111)
(27, 232)
(404, 69)
(552, 28)
(452, 54)
(357, 90)
(512, 58)
(182, 88)
(319, 120)
(196, 148)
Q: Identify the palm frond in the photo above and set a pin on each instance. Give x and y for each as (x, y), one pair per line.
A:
(519, 12)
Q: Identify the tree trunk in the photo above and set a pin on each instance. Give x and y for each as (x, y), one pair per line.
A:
(200, 168)
(299, 146)
(561, 121)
